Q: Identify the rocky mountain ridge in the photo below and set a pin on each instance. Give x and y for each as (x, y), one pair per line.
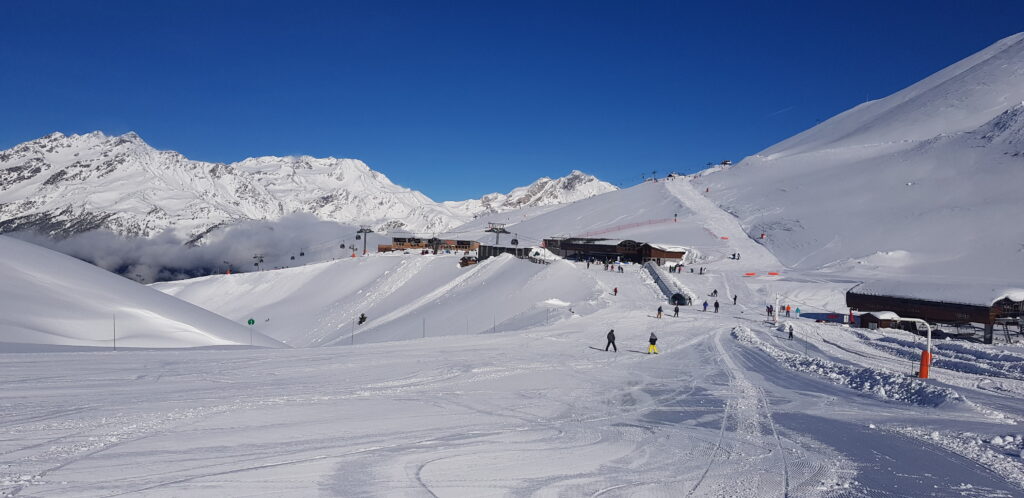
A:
(66, 184)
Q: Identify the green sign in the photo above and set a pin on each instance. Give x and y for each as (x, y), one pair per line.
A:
(251, 322)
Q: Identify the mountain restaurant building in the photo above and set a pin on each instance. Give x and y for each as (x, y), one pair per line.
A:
(613, 250)
(943, 303)
(414, 243)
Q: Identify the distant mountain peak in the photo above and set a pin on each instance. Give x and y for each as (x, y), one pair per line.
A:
(545, 191)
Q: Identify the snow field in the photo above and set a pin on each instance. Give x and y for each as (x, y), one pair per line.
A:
(403, 296)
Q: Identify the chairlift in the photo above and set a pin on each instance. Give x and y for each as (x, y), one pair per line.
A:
(515, 242)
(293, 258)
(302, 253)
(359, 237)
(342, 246)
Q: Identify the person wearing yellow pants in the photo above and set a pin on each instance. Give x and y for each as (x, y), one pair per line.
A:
(652, 348)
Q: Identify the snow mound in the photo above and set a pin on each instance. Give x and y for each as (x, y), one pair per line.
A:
(403, 296)
(883, 384)
(48, 299)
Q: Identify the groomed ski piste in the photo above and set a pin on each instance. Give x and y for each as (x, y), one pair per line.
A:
(492, 380)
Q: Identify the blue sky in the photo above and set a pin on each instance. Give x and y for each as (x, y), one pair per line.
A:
(458, 99)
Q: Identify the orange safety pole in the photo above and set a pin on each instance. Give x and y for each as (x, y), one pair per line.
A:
(926, 359)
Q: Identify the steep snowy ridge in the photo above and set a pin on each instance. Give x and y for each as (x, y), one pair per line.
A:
(956, 99)
(68, 184)
(923, 182)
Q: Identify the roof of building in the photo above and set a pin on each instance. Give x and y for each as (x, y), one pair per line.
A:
(669, 248)
(883, 315)
(971, 293)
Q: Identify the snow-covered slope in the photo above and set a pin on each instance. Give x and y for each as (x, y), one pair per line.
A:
(48, 299)
(667, 212)
(404, 296)
(543, 192)
(927, 181)
(68, 184)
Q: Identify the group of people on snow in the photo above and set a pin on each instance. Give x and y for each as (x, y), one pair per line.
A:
(650, 349)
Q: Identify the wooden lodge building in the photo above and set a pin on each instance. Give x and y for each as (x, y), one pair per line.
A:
(417, 244)
(940, 303)
(614, 250)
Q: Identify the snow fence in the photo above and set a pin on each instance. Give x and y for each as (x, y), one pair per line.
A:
(669, 285)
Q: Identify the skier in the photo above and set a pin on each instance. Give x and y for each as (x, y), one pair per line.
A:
(362, 318)
(652, 348)
(615, 291)
(788, 309)
(768, 310)
(620, 269)
(716, 306)
(611, 341)
(659, 311)
(676, 310)
(705, 305)
(734, 298)
(588, 264)
(791, 332)
(798, 312)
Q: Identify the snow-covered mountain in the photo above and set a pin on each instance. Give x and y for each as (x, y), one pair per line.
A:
(925, 181)
(69, 184)
(543, 192)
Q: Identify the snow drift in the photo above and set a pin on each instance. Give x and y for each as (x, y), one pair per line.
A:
(48, 299)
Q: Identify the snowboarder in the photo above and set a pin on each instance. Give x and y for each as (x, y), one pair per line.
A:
(652, 348)
(611, 341)
(737, 256)
(714, 293)
(676, 312)
(620, 269)
(791, 332)
(659, 311)
(768, 309)
(615, 291)
(588, 264)
(734, 298)
(362, 318)
(716, 306)
(788, 309)
(705, 305)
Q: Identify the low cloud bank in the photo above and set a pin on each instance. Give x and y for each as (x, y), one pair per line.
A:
(290, 241)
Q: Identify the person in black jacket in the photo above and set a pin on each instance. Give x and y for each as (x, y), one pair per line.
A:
(362, 318)
(611, 341)
(652, 348)
(716, 306)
